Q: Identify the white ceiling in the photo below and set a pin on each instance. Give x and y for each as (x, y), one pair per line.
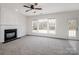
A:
(46, 8)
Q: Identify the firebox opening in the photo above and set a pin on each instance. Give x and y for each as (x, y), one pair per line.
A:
(10, 34)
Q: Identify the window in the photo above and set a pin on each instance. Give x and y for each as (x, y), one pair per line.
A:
(34, 26)
(44, 26)
(72, 28)
(52, 26)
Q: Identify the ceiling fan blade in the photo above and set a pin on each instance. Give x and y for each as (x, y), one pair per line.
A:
(26, 6)
(27, 10)
(35, 3)
(38, 8)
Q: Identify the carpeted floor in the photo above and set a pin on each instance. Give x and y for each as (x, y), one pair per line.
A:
(32, 45)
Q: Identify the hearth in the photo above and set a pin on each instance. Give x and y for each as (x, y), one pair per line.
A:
(10, 34)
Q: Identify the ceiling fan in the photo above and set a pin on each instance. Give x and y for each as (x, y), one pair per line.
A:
(32, 7)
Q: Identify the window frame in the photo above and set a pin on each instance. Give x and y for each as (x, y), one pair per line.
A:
(38, 23)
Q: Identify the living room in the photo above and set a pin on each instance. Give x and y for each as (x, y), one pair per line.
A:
(39, 28)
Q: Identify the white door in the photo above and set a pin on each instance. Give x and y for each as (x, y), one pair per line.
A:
(72, 29)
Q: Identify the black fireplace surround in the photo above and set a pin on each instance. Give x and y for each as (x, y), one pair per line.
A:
(10, 34)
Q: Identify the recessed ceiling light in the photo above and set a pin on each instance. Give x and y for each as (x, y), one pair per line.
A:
(16, 9)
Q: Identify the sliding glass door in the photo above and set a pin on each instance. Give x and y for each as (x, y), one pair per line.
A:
(72, 28)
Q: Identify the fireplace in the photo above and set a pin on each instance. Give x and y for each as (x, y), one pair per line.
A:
(10, 34)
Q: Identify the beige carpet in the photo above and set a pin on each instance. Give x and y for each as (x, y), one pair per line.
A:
(32, 45)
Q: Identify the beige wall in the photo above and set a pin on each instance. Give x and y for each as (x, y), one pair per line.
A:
(61, 25)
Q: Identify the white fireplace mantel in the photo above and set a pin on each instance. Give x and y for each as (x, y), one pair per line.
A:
(3, 27)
